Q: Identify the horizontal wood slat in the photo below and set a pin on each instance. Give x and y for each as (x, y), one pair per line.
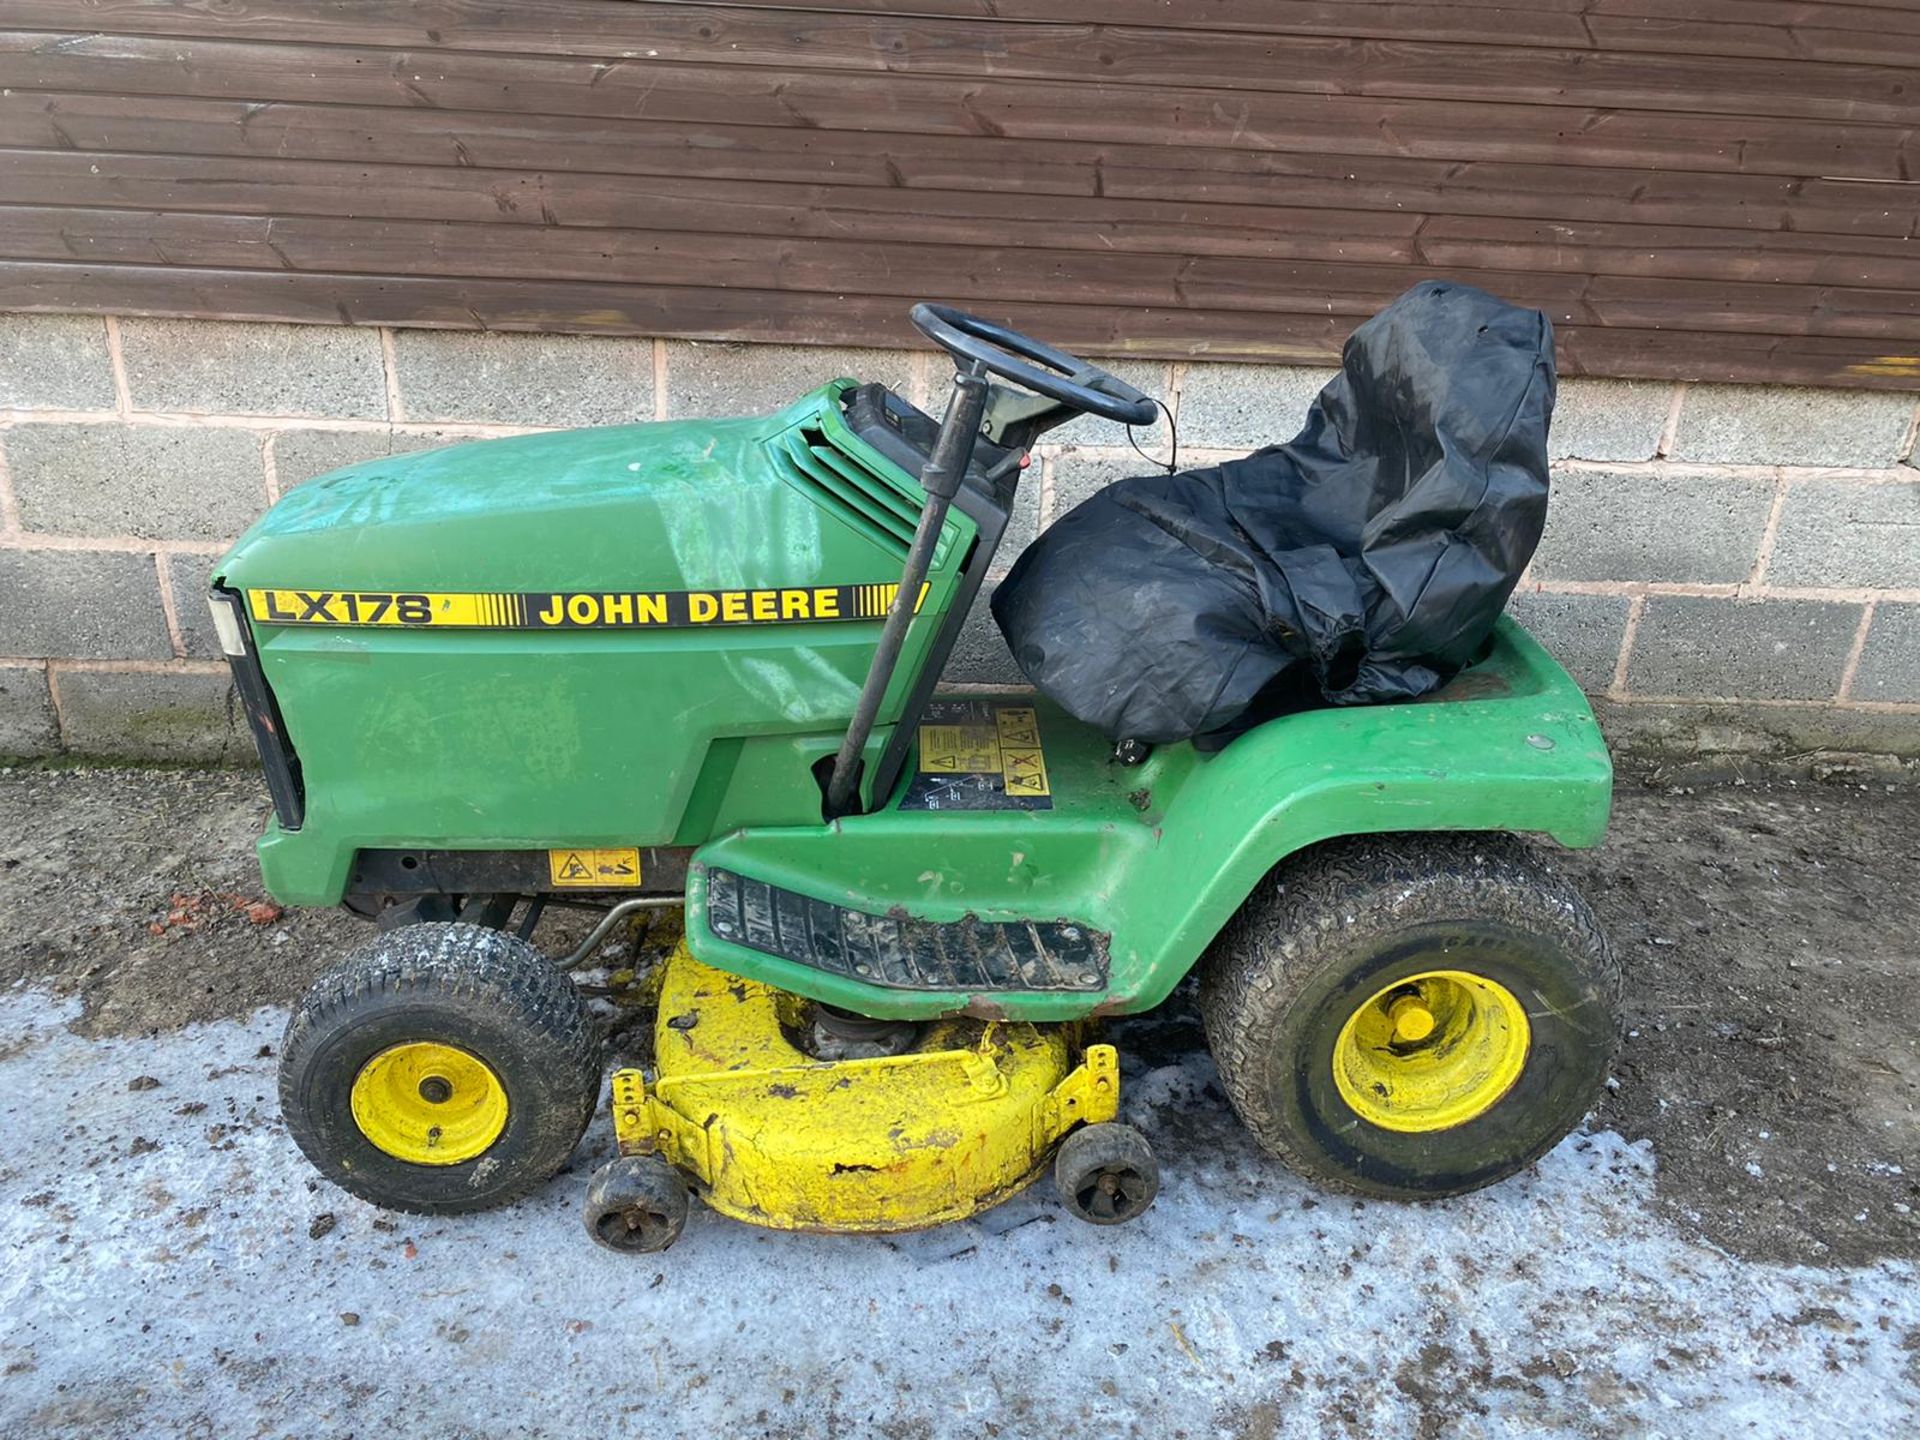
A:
(1878, 32)
(644, 35)
(502, 199)
(1085, 111)
(1778, 29)
(909, 271)
(1690, 188)
(647, 37)
(854, 319)
(455, 146)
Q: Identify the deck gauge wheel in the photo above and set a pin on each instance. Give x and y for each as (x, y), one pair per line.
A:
(1106, 1174)
(636, 1204)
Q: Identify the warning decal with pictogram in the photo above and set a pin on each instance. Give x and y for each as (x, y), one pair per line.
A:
(590, 869)
(976, 755)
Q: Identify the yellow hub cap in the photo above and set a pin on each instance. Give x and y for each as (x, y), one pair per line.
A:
(1431, 1051)
(429, 1104)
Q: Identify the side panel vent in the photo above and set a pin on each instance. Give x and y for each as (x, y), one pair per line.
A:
(869, 502)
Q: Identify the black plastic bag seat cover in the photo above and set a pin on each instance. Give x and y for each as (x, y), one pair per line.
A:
(1365, 560)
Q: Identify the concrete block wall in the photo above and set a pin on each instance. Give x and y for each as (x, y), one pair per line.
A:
(1726, 567)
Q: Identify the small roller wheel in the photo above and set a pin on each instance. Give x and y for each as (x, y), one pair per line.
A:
(1106, 1174)
(636, 1204)
(441, 1069)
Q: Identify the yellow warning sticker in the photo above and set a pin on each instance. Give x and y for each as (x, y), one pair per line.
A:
(1023, 767)
(959, 749)
(1008, 746)
(979, 755)
(582, 869)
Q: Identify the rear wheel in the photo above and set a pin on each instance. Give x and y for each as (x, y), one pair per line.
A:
(1412, 1016)
(442, 1068)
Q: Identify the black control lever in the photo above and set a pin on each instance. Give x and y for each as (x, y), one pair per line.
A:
(940, 478)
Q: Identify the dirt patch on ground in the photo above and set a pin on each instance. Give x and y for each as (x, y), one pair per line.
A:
(1770, 935)
(131, 888)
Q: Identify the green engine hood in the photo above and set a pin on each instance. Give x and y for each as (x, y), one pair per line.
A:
(505, 736)
(664, 503)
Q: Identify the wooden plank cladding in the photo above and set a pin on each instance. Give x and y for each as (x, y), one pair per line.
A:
(1705, 189)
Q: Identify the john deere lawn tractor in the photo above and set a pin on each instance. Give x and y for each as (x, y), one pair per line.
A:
(694, 664)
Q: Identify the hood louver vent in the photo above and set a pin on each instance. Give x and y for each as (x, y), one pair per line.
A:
(867, 500)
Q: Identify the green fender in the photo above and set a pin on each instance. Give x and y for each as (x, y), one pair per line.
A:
(1162, 854)
(1493, 761)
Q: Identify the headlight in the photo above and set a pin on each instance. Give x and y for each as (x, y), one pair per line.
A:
(228, 623)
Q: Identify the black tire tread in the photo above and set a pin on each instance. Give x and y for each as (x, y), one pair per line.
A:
(1279, 937)
(473, 967)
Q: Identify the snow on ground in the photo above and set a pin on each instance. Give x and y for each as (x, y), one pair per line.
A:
(174, 1268)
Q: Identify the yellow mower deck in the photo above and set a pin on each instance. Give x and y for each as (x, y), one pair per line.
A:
(775, 1137)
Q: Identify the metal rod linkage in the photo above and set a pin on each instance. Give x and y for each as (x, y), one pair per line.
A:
(940, 478)
(597, 937)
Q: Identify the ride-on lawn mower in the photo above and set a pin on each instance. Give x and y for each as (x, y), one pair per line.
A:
(693, 664)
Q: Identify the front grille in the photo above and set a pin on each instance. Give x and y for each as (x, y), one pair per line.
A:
(969, 955)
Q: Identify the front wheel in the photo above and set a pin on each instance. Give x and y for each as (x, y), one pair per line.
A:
(443, 1068)
(1412, 1016)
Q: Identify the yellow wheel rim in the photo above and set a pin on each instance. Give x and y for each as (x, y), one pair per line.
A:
(429, 1104)
(1431, 1052)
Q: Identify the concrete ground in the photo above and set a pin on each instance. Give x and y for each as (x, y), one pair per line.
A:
(1729, 1248)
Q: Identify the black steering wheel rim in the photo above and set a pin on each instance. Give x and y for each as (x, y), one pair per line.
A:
(1032, 364)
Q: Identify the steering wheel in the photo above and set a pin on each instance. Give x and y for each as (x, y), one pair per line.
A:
(1040, 368)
